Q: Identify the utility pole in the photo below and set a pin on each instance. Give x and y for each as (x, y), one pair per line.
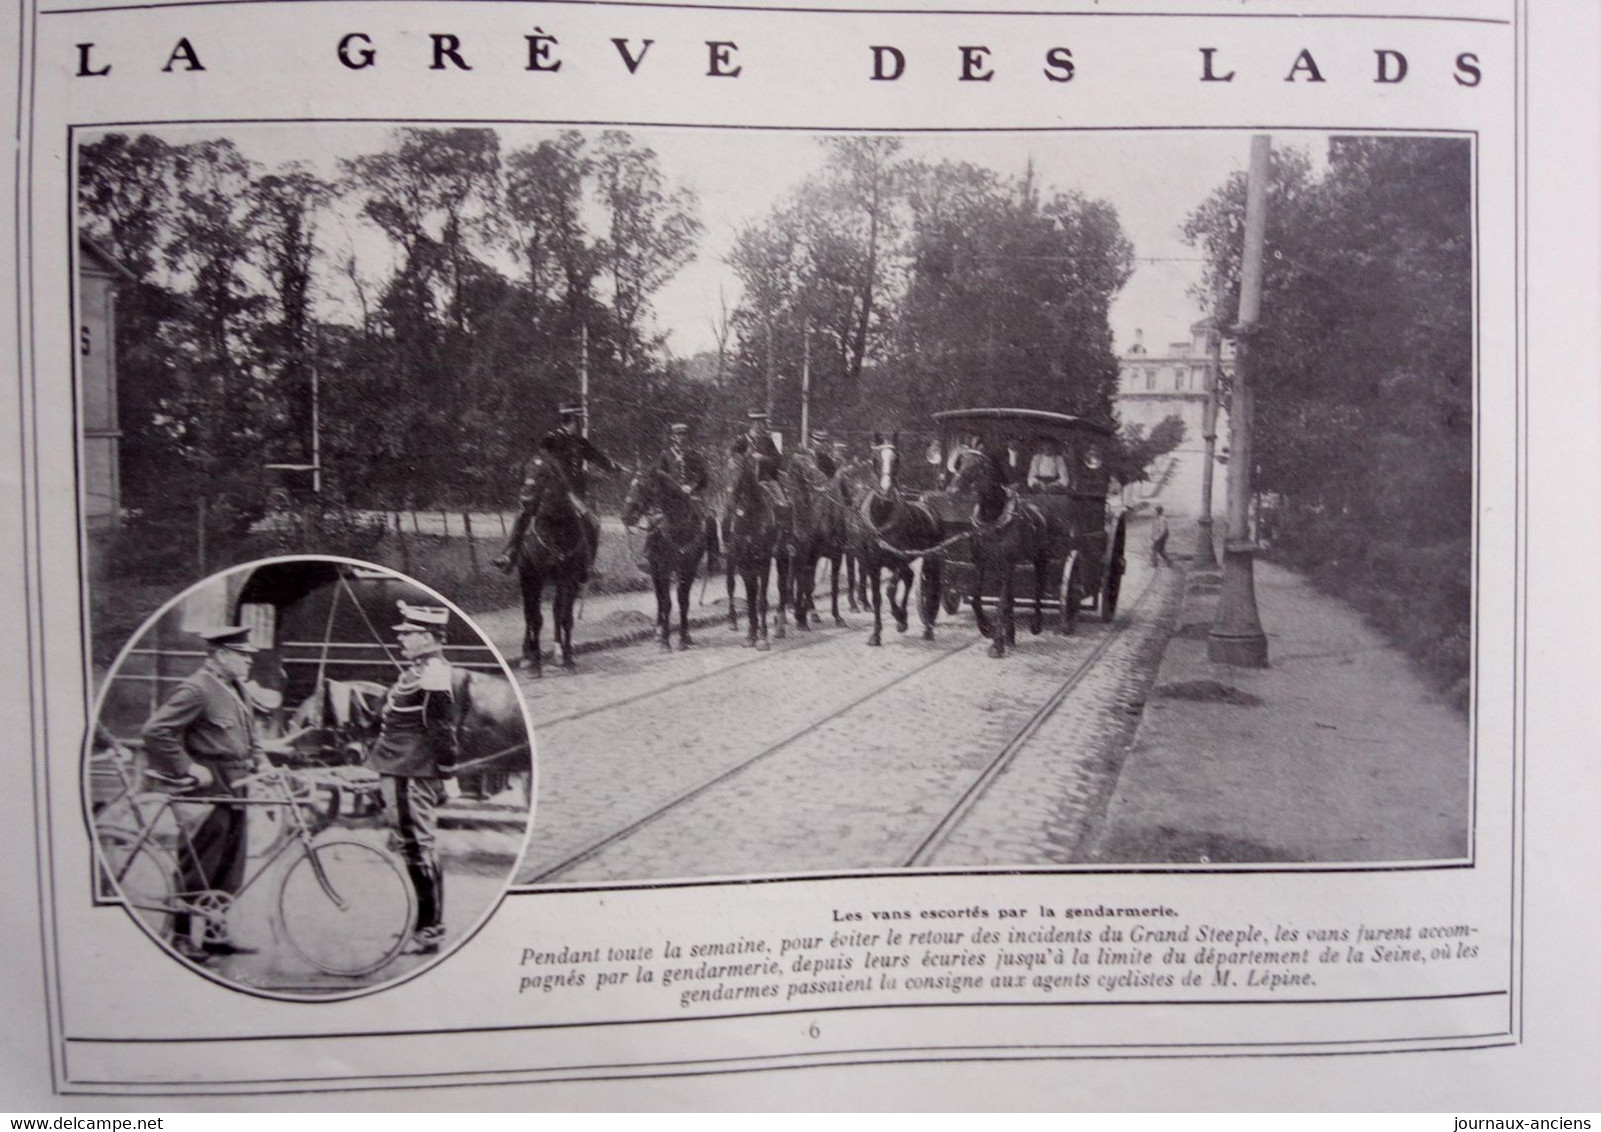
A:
(806, 384)
(583, 379)
(1205, 549)
(316, 426)
(769, 405)
(1237, 637)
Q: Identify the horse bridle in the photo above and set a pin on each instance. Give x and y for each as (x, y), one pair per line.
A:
(677, 547)
(1008, 510)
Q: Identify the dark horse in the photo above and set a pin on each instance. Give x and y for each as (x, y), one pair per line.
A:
(338, 724)
(753, 537)
(673, 548)
(1007, 531)
(559, 546)
(817, 531)
(887, 533)
(493, 733)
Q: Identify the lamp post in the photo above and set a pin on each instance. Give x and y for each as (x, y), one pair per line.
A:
(806, 384)
(583, 379)
(1237, 637)
(1205, 550)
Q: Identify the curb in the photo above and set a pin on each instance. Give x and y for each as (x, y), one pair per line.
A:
(641, 633)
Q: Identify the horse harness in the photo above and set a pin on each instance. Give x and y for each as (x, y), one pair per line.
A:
(864, 512)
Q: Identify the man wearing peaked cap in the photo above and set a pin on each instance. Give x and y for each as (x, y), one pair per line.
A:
(682, 463)
(418, 747)
(569, 447)
(822, 456)
(205, 735)
(576, 451)
(758, 440)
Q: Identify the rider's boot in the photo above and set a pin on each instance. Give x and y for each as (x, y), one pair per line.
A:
(514, 541)
(429, 883)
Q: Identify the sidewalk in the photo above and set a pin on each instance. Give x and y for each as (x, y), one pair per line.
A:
(1337, 752)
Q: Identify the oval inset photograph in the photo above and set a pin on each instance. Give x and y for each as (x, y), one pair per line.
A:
(309, 777)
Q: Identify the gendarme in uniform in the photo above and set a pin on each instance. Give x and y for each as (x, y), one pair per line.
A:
(418, 747)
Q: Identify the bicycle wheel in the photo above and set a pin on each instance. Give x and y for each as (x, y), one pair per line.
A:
(346, 907)
(144, 875)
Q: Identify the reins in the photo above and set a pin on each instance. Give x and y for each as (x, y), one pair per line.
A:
(693, 515)
(903, 552)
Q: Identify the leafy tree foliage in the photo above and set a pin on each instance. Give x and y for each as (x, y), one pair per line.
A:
(504, 274)
(923, 286)
(1363, 372)
(499, 267)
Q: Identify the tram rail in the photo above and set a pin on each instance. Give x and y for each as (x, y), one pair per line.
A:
(951, 817)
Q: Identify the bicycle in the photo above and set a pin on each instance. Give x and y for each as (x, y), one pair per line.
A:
(345, 907)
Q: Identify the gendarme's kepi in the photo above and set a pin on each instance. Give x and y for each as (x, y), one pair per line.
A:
(235, 637)
(422, 618)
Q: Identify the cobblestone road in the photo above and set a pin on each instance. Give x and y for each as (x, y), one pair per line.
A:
(826, 755)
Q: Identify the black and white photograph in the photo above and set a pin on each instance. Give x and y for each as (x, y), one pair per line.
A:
(308, 778)
(850, 503)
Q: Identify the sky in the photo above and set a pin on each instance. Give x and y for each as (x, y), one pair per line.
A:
(1152, 178)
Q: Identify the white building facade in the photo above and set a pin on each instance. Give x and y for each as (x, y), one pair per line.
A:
(1156, 384)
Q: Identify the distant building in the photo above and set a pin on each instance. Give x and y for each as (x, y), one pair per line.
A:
(98, 275)
(1174, 382)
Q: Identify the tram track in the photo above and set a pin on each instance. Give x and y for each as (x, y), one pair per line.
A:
(995, 767)
(684, 682)
(952, 817)
(594, 848)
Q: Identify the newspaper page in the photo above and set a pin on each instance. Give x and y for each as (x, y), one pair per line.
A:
(628, 553)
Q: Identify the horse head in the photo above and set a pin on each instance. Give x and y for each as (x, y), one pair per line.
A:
(743, 474)
(975, 472)
(640, 498)
(887, 461)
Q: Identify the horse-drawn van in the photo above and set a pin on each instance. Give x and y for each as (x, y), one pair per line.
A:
(1046, 475)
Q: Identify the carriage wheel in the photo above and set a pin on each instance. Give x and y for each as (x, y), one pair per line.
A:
(1069, 595)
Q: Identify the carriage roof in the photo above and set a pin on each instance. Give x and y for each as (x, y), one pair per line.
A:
(1030, 416)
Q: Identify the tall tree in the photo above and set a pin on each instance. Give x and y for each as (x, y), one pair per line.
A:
(1363, 375)
(435, 194)
(1009, 297)
(650, 232)
(545, 201)
(284, 208)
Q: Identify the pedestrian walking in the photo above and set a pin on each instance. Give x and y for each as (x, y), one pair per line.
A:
(1159, 533)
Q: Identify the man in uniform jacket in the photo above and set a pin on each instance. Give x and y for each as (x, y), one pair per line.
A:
(686, 467)
(683, 464)
(204, 738)
(568, 444)
(569, 447)
(758, 440)
(417, 749)
(821, 454)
